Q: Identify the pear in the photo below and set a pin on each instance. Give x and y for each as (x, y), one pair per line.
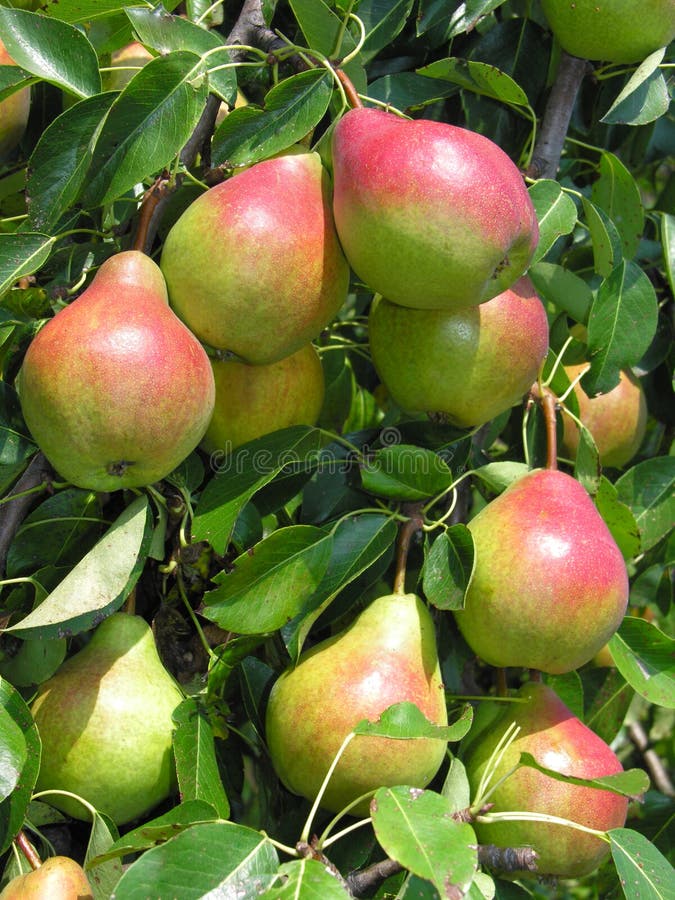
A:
(549, 586)
(608, 30)
(255, 400)
(124, 64)
(14, 111)
(105, 721)
(430, 215)
(254, 266)
(617, 420)
(463, 366)
(58, 878)
(559, 741)
(114, 388)
(387, 655)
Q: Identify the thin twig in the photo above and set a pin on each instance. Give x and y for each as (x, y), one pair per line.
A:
(409, 528)
(28, 850)
(14, 512)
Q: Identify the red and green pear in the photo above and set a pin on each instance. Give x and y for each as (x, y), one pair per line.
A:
(430, 215)
(105, 723)
(559, 741)
(617, 420)
(114, 388)
(255, 400)
(387, 655)
(58, 878)
(463, 366)
(608, 29)
(549, 586)
(254, 266)
(14, 111)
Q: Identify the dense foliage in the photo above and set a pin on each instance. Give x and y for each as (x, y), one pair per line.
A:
(241, 560)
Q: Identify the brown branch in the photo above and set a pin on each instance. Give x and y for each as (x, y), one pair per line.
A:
(362, 881)
(507, 859)
(409, 528)
(13, 512)
(351, 93)
(556, 121)
(28, 850)
(251, 28)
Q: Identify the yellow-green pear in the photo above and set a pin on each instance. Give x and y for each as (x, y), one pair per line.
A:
(114, 388)
(387, 655)
(105, 722)
(14, 111)
(255, 400)
(58, 878)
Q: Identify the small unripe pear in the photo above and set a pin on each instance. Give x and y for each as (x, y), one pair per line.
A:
(559, 741)
(58, 878)
(386, 656)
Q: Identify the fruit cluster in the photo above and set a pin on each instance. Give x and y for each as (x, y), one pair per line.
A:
(437, 222)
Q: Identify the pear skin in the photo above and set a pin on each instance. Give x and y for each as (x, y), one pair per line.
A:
(14, 111)
(462, 366)
(114, 388)
(105, 722)
(617, 420)
(387, 655)
(430, 215)
(558, 740)
(254, 266)
(550, 586)
(58, 878)
(255, 400)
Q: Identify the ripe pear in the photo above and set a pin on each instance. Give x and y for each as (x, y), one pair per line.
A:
(105, 721)
(254, 265)
(14, 111)
(124, 64)
(608, 30)
(617, 420)
(387, 655)
(549, 586)
(255, 400)
(58, 878)
(115, 389)
(559, 741)
(464, 366)
(429, 215)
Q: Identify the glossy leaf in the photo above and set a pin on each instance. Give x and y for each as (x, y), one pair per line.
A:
(644, 98)
(556, 214)
(617, 193)
(477, 77)
(22, 254)
(644, 873)
(607, 712)
(619, 518)
(14, 807)
(104, 877)
(417, 829)
(305, 879)
(448, 568)
(405, 472)
(607, 246)
(196, 762)
(99, 583)
(383, 21)
(631, 783)
(16, 444)
(12, 753)
(563, 288)
(648, 491)
(85, 10)
(270, 583)
(645, 656)
(405, 721)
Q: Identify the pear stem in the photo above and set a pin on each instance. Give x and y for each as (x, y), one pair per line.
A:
(351, 93)
(410, 527)
(28, 849)
(548, 402)
(155, 193)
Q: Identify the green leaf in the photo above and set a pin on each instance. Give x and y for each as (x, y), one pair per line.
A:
(305, 879)
(497, 476)
(56, 532)
(12, 753)
(644, 98)
(477, 77)
(196, 763)
(15, 441)
(166, 34)
(407, 90)
(647, 490)
(668, 243)
(34, 661)
(292, 109)
(104, 877)
(383, 21)
(617, 193)
(22, 254)
(644, 873)
(147, 125)
(13, 808)
(100, 583)
(645, 657)
(52, 50)
(220, 857)
(563, 288)
(59, 164)
(466, 15)
(243, 473)
(556, 214)
(448, 568)
(631, 783)
(271, 582)
(76, 11)
(416, 828)
(618, 518)
(158, 830)
(405, 472)
(607, 713)
(405, 721)
(621, 325)
(606, 240)
(320, 26)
